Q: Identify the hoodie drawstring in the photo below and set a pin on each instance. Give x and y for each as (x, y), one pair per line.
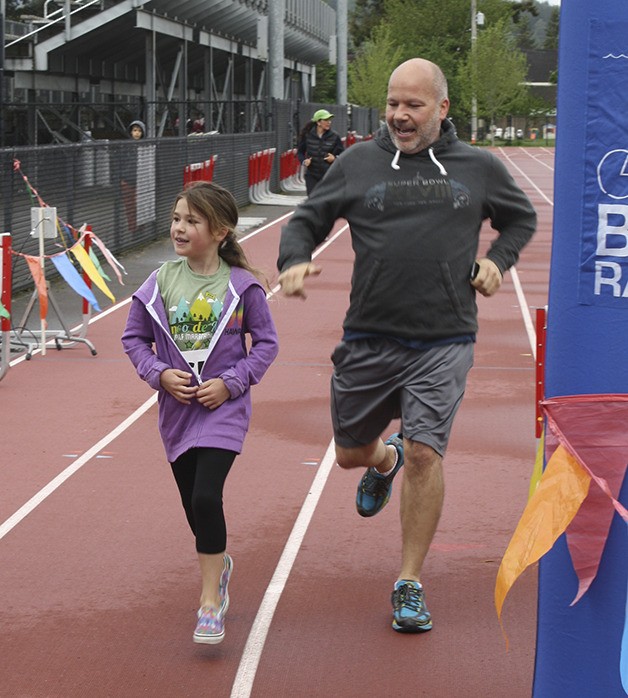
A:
(441, 169)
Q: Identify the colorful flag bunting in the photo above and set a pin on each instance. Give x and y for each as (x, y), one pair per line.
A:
(113, 262)
(34, 265)
(94, 257)
(561, 491)
(67, 270)
(586, 451)
(88, 267)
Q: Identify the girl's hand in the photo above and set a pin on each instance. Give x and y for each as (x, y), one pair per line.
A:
(213, 393)
(177, 383)
(307, 162)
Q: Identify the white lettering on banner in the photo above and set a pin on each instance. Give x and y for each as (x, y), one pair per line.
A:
(606, 229)
(611, 277)
(613, 281)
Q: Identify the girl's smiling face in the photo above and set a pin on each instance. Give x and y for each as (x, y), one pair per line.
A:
(192, 238)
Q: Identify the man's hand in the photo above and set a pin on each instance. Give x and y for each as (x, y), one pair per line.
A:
(177, 383)
(488, 278)
(292, 280)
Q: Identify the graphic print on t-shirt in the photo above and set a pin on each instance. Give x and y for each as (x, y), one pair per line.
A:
(192, 326)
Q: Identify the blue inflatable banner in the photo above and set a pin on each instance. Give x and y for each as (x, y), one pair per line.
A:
(582, 637)
(604, 259)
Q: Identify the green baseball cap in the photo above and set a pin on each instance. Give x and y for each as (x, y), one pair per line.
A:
(322, 114)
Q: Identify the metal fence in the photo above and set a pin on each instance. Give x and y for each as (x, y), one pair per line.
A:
(124, 189)
(62, 122)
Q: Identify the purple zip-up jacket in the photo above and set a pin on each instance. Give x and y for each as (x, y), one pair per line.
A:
(245, 311)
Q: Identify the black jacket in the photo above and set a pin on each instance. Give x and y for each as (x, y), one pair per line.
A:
(415, 223)
(311, 146)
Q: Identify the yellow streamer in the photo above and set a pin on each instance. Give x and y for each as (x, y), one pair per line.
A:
(561, 490)
(89, 268)
(537, 471)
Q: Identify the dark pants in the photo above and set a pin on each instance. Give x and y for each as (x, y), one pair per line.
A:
(310, 183)
(200, 474)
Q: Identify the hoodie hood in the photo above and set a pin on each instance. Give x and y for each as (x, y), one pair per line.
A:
(139, 123)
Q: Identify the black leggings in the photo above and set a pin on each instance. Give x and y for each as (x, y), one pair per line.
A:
(200, 474)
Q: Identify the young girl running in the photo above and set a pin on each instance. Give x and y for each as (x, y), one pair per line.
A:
(185, 335)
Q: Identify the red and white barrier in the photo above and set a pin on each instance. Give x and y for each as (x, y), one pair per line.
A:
(199, 171)
(260, 171)
(291, 172)
(5, 296)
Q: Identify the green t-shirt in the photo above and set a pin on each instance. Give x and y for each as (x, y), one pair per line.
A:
(194, 304)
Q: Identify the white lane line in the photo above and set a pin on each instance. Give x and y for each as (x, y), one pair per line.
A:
(523, 174)
(255, 232)
(528, 152)
(523, 304)
(525, 310)
(247, 669)
(54, 484)
(318, 250)
(256, 640)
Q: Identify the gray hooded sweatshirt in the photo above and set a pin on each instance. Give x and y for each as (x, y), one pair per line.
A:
(415, 222)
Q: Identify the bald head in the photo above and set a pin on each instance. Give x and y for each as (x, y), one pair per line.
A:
(416, 104)
(425, 71)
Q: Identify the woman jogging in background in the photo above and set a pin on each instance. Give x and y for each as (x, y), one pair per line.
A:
(318, 147)
(185, 335)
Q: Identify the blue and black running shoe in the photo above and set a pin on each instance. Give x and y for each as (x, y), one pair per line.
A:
(410, 614)
(374, 489)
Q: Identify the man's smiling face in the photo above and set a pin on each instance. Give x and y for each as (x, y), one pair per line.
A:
(414, 109)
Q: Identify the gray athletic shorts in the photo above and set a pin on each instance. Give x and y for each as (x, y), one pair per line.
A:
(376, 380)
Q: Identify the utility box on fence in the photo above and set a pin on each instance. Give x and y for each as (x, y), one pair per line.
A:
(44, 221)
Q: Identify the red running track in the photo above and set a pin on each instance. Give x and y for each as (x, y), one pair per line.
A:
(98, 572)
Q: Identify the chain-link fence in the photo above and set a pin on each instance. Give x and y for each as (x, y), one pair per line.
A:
(124, 189)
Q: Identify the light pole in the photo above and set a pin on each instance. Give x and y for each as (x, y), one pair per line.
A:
(477, 19)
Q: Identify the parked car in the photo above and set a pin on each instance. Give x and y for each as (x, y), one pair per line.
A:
(519, 133)
(499, 132)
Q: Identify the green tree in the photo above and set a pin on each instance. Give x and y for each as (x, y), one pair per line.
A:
(495, 73)
(519, 9)
(326, 83)
(440, 30)
(551, 32)
(368, 73)
(525, 37)
(363, 20)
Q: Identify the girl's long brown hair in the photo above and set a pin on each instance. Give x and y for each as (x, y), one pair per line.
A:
(218, 206)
